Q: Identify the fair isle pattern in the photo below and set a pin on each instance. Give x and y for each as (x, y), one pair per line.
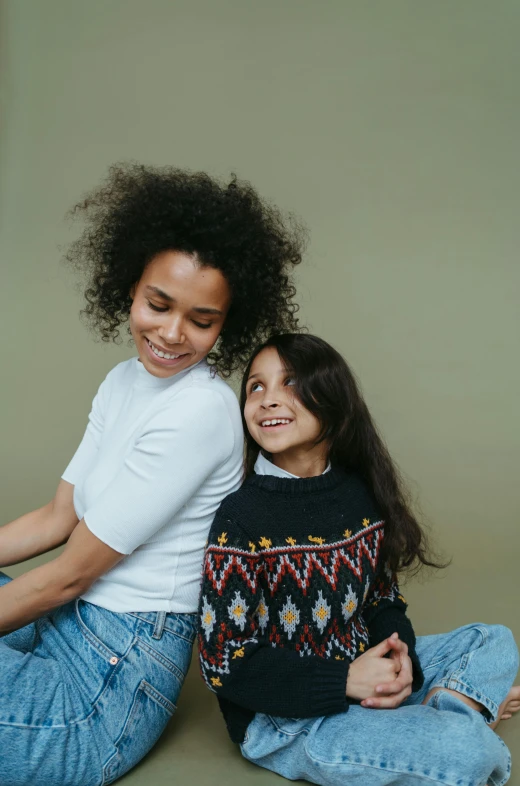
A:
(245, 597)
(300, 561)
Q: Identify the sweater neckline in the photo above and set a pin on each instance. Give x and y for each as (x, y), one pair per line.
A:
(297, 486)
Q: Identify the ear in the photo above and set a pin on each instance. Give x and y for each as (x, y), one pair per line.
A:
(132, 291)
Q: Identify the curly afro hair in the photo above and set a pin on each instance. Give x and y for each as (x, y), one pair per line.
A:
(140, 211)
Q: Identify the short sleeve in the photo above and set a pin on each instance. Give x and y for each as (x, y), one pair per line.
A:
(180, 446)
(88, 448)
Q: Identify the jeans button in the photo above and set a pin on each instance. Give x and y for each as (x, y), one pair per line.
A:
(114, 660)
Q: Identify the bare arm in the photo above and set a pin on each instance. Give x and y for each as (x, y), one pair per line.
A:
(59, 581)
(40, 530)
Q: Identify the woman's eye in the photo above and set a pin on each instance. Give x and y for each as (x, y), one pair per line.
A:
(290, 381)
(203, 325)
(157, 308)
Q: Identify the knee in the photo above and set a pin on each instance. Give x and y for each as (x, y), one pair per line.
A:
(478, 750)
(504, 645)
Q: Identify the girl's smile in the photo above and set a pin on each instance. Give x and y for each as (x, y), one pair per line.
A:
(278, 421)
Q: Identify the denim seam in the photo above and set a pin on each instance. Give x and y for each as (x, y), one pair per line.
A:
(92, 638)
(166, 628)
(158, 697)
(492, 782)
(451, 683)
(162, 659)
(75, 722)
(289, 734)
(421, 775)
(154, 695)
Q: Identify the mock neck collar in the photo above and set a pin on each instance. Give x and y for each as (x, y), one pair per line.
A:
(147, 380)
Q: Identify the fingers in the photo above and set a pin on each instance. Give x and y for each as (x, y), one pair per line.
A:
(387, 702)
(396, 645)
(403, 680)
(387, 645)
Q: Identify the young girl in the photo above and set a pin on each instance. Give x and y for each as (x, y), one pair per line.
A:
(99, 638)
(303, 633)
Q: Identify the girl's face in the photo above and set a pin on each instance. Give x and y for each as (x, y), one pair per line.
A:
(276, 419)
(178, 310)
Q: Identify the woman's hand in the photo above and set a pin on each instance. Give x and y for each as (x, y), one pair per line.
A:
(390, 695)
(372, 670)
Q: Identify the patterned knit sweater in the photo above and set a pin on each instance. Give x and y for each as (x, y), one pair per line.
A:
(293, 591)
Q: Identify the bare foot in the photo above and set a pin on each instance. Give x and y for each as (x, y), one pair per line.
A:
(509, 706)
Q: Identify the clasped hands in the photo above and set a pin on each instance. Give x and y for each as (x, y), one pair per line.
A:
(381, 682)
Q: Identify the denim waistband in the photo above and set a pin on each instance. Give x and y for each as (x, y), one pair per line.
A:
(160, 621)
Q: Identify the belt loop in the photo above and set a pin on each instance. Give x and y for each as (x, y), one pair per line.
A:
(159, 625)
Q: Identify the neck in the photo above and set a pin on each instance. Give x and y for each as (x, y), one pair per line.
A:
(303, 463)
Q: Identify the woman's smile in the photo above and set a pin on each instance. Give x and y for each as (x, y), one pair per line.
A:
(163, 356)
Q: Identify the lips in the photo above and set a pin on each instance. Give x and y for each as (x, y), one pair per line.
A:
(275, 423)
(159, 355)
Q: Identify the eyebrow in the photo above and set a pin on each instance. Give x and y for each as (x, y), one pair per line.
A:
(282, 371)
(170, 299)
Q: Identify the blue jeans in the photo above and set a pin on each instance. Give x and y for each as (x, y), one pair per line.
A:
(85, 693)
(442, 742)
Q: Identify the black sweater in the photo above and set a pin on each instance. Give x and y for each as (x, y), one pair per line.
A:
(293, 591)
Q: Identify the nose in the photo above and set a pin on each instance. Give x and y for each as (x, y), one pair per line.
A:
(171, 330)
(269, 401)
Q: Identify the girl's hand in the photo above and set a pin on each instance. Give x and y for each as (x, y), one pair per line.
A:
(390, 695)
(372, 669)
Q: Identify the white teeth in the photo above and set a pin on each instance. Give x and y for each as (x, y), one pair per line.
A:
(160, 353)
(277, 422)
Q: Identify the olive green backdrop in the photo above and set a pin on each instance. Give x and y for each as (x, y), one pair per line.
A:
(392, 127)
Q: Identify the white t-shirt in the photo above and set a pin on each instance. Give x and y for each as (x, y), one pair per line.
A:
(156, 460)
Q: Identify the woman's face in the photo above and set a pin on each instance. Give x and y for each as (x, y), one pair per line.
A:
(275, 418)
(178, 310)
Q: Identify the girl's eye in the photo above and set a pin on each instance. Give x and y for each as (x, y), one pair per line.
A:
(203, 325)
(157, 308)
(290, 381)
(254, 387)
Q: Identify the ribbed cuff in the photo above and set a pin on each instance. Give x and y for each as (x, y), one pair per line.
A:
(382, 628)
(329, 688)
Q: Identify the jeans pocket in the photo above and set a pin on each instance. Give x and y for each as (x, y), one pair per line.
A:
(93, 626)
(147, 719)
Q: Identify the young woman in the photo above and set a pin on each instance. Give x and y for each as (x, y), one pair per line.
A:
(303, 633)
(96, 642)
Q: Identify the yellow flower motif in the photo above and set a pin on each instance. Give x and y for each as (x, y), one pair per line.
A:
(338, 657)
(401, 598)
(350, 606)
(222, 539)
(215, 681)
(361, 647)
(208, 618)
(290, 541)
(319, 541)
(347, 533)
(239, 653)
(252, 546)
(265, 543)
(366, 522)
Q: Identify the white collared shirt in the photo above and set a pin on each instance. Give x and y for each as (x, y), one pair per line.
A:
(265, 467)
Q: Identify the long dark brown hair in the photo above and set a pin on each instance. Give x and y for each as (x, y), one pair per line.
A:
(327, 387)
